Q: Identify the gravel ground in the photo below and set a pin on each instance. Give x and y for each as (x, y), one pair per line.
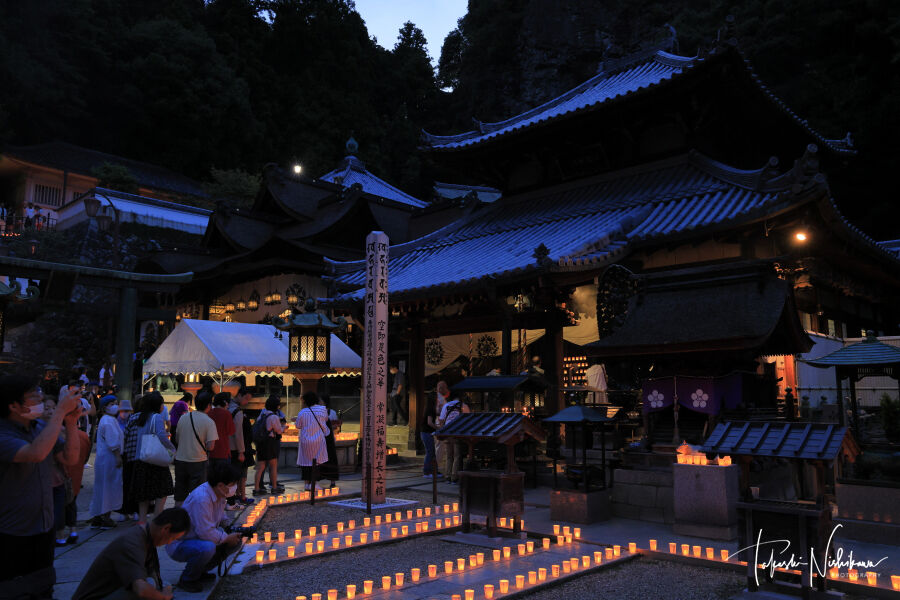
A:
(291, 517)
(645, 579)
(288, 580)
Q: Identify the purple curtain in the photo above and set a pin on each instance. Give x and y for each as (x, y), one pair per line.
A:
(657, 394)
(698, 394)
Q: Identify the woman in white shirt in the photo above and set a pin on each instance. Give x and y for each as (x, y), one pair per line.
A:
(312, 425)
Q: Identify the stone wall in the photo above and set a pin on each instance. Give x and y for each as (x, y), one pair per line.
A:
(643, 494)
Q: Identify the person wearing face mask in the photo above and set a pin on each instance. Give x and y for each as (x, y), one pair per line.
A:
(27, 448)
(107, 467)
(206, 544)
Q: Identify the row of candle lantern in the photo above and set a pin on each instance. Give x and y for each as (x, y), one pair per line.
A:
(518, 582)
(395, 517)
(700, 459)
(348, 540)
(709, 553)
(260, 508)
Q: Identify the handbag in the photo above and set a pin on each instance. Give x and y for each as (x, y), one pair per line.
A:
(152, 450)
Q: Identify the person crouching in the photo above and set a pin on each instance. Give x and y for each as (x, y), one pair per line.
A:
(206, 544)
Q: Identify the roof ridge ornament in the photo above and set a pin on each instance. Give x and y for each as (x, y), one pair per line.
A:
(352, 146)
(807, 166)
(542, 255)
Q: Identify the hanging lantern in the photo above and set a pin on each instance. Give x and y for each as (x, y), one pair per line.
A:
(240, 305)
(292, 297)
(253, 301)
(229, 307)
(276, 297)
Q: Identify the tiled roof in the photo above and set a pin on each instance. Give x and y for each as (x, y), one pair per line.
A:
(585, 224)
(808, 441)
(639, 74)
(352, 170)
(892, 246)
(499, 427)
(867, 353)
(69, 157)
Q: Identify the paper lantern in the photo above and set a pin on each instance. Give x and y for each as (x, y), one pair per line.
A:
(473, 560)
(609, 553)
(386, 582)
(488, 591)
(309, 547)
(254, 539)
(520, 582)
(432, 570)
(419, 513)
(724, 554)
(854, 575)
(312, 532)
(259, 555)
(521, 549)
(460, 564)
(710, 554)
(697, 550)
(672, 548)
(470, 594)
(617, 550)
(507, 551)
(272, 554)
(872, 577)
(351, 524)
(336, 543)
(448, 566)
(398, 578)
(479, 558)
(529, 546)
(653, 545)
(567, 530)
(569, 539)
(404, 530)
(456, 507)
(280, 537)
(895, 582)
(554, 570)
(393, 532)
(267, 536)
(522, 524)
(556, 529)
(501, 522)
(427, 511)
(367, 586)
(316, 597)
(320, 545)
(598, 557)
(388, 518)
(351, 591)
(419, 526)
(409, 514)
(376, 535)
(448, 521)
(332, 594)
(542, 574)
(577, 531)
(566, 567)
(560, 540)
(298, 533)
(378, 519)
(496, 554)
(686, 549)
(504, 586)
(348, 540)
(291, 550)
(532, 577)
(456, 519)
(632, 547)
(585, 561)
(574, 562)
(414, 574)
(363, 538)
(324, 529)
(446, 508)
(545, 543)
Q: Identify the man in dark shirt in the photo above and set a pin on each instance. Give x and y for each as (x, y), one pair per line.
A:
(122, 569)
(28, 446)
(398, 393)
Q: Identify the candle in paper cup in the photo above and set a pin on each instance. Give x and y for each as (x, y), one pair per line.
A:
(529, 546)
(363, 538)
(673, 548)
(332, 594)
(340, 527)
(556, 529)
(312, 532)
(598, 557)
(456, 519)
(320, 545)
(398, 516)
(378, 519)
(324, 529)
(404, 529)
(520, 582)
(336, 542)
(609, 553)
(460, 564)
(496, 553)
(501, 522)
(470, 594)
(367, 521)
(632, 547)
(532, 577)
(351, 591)
(348, 540)
(895, 582)
(686, 549)
(432, 570)
(542, 574)
(316, 597)
(854, 574)
(521, 549)
(419, 513)
(473, 560)
(259, 555)
(456, 507)
(710, 554)
(351, 524)
(298, 533)
(398, 578)
(554, 570)
(280, 537)
(567, 530)
(409, 514)
(446, 508)
(697, 551)
(388, 517)
(617, 550)
(569, 539)
(419, 526)
(254, 539)
(448, 566)
(376, 535)
(488, 591)
(507, 551)
(479, 558)
(291, 551)
(566, 567)
(574, 562)
(448, 522)
(723, 553)
(309, 547)
(872, 577)
(545, 543)
(267, 536)
(437, 523)
(414, 574)
(367, 586)
(585, 561)
(560, 540)
(653, 545)
(272, 554)
(393, 532)
(504, 586)
(577, 533)
(386, 582)
(456, 597)
(300, 598)
(522, 524)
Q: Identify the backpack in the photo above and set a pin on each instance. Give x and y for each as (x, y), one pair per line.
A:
(260, 432)
(453, 413)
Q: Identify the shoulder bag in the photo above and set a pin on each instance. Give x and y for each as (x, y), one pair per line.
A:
(152, 450)
(202, 445)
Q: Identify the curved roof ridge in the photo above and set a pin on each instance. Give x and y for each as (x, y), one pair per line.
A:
(659, 56)
(353, 170)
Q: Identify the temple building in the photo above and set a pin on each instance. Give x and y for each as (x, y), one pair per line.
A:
(669, 218)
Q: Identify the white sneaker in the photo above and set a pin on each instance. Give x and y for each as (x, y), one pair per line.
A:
(87, 465)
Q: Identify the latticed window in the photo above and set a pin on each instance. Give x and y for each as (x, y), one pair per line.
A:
(47, 195)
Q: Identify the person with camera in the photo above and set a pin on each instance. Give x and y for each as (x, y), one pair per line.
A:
(123, 569)
(27, 449)
(206, 544)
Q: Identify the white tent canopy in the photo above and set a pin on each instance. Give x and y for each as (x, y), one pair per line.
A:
(217, 347)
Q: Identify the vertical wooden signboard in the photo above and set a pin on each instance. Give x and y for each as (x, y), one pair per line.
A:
(375, 367)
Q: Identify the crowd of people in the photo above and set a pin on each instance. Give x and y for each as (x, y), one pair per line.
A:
(198, 453)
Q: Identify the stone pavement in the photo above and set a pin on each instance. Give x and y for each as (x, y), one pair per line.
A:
(73, 561)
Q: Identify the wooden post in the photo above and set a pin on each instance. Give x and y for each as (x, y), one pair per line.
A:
(842, 418)
(506, 344)
(415, 372)
(854, 408)
(375, 365)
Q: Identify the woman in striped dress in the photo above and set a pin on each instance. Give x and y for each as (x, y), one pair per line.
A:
(312, 425)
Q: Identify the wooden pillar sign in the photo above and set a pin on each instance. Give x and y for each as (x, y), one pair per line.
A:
(375, 368)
